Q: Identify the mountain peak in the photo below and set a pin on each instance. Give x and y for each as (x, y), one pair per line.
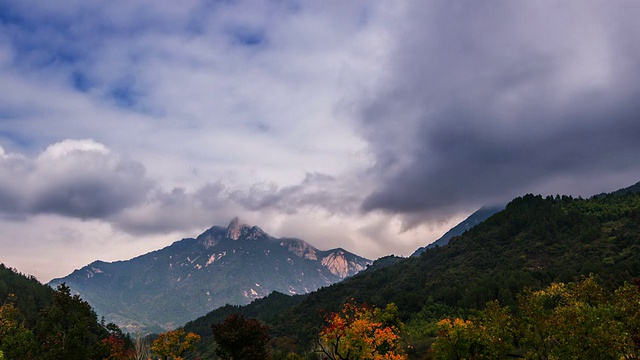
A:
(236, 230)
(224, 265)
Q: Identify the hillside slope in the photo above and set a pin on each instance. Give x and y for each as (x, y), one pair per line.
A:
(37, 322)
(531, 243)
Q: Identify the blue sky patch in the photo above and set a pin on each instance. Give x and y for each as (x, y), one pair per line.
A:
(248, 37)
(124, 96)
(80, 81)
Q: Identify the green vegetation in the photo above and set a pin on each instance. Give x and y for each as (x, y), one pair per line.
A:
(37, 322)
(33, 296)
(239, 338)
(573, 321)
(546, 278)
(534, 242)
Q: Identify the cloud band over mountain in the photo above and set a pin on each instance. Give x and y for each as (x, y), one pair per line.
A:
(372, 122)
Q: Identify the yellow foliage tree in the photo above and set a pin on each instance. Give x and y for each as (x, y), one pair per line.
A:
(172, 345)
(563, 321)
(16, 341)
(362, 333)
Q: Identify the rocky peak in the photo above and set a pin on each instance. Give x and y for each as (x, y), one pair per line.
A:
(339, 265)
(236, 230)
(255, 233)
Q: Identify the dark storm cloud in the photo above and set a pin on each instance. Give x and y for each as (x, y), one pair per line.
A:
(182, 209)
(90, 196)
(73, 178)
(490, 101)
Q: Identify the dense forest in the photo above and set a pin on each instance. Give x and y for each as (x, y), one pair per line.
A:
(546, 278)
(37, 322)
(533, 243)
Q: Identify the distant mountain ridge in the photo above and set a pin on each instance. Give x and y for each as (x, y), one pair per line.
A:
(474, 219)
(634, 189)
(233, 265)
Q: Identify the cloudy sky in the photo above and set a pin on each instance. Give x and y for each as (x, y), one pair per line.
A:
(374, 126)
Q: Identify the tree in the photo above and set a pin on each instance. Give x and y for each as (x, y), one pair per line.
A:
(119, 345)
(627, 304)
(562, 321)
(69, 329)
(172, 345)
(142, 348)
(360, 332)
(238, 338)
(16, 341)
(454, 339)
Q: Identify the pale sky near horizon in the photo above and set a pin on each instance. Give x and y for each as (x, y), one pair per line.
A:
(372, 126)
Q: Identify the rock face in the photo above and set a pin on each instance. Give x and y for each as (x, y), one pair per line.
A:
(233, 265)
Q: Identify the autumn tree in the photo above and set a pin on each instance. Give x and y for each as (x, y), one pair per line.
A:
(627, 303)
(360, 332)
(172, 345)
(238, 338)
(562, 321)
(16, 341)
(489, 336)
(118, 344)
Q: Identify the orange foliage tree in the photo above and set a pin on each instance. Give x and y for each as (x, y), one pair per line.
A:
(361, 332)
(172, 345)
(118, 348)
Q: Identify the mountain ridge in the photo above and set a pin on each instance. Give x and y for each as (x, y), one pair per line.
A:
(167, 287)
(533, 242)
(467, 224)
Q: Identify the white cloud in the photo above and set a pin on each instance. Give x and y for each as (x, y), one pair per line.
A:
(65, 147)
(200, 111)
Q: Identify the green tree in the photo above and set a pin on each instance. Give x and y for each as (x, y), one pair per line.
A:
(455, 339)
(69, 329)
(238, 338)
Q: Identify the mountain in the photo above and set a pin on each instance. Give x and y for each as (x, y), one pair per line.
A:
(533, 242)
(635, 188)
(233, 265)
(474, 219)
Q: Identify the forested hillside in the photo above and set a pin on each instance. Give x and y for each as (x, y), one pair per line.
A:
(37, 322)
(27, 294)
(535, 241)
